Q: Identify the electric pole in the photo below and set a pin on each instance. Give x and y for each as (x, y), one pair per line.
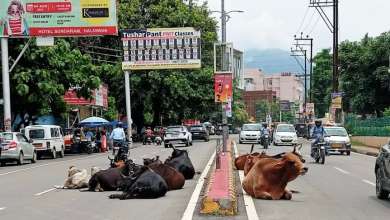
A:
(300, 45)
(299, 52)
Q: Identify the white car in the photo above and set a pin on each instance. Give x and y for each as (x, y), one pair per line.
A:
(15, 146)
(285, 134)
(338, 140)
(47, 139)
(177, 135)
(250, 133)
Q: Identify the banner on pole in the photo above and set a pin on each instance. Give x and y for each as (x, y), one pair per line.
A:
(228, 109)
(337, 99)
(223, 87)
(161, 48)
(49, 18)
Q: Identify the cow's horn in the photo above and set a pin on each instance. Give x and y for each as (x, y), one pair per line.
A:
(300, 147)
(253, 146)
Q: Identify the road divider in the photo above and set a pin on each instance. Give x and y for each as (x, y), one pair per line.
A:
(2, 208)
(220, 196)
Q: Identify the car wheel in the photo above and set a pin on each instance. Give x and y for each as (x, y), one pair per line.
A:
(2, 163)
(380, 192)
(53, 153)
(34, 158)
(20, 159)
(62, 152)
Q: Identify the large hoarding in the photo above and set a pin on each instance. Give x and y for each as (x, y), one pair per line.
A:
(99, 97)
(161, 48)
(223, 87)
(48, 18)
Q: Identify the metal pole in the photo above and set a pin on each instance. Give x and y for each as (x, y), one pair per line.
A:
(305, 84)
(128, 106)
(311, 70)
(335, 45)
(6, 84)
(224, 117)
(223, 21)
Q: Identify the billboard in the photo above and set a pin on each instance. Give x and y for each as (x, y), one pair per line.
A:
(99, 97)
(285, 105)
(223, 87)
(161, 48)
(48, 18)
(337, 99)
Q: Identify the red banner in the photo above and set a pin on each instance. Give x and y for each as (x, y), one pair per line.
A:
(49, 7)
(73, 31)
(99, 97)
(223, 87)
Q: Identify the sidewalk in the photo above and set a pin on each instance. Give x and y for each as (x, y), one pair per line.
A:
(371, 151)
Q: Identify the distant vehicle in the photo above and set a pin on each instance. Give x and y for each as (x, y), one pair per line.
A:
(382, 172)
(16, 147)
(47, 139)
(338, 140)
(177, 135)
(302, 130)
(200, 132)
(210, 127)
(285, 134)
(250, 133)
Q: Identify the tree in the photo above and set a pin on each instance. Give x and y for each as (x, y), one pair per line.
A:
(322, 82)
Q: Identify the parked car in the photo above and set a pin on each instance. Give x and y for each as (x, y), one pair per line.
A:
(382, 172)
(47, 139)
(285, 134)
(200, 132)
(177, 135)
(250, 133)
(16, 147)
(338, 140)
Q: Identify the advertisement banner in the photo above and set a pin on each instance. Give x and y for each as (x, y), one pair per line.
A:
(337, 99)
(223, 87)
(99, 97)
(285, 105)
(48, 18)
(228, 109)
(161, 48)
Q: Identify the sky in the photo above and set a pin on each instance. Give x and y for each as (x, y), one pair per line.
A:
(267, 24)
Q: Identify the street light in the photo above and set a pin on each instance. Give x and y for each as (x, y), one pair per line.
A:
(225, 17)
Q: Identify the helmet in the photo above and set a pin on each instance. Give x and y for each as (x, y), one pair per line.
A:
(119, 125)
(265, 125)
(318, 123)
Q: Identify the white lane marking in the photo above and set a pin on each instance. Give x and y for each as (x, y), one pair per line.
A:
(341, 170)
(47, 164)
(44, 192)
(2, 208)
(248, 201)
(189, 212)
(369, 182)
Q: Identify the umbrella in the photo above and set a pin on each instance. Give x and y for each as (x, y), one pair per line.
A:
(93, 121)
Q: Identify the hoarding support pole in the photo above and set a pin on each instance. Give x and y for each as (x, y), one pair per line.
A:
(6, 86)
(128, 107)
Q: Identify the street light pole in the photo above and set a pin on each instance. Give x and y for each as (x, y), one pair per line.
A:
(223, 21)
(128, 107)
(6, 85)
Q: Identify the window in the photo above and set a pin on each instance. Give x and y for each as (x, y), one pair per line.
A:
(7, 136)
(37, 134)
(54, 132)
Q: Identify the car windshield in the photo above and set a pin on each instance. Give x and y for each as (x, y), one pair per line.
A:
(174, 129)
(37, 134)
(336, 132)
(196, 128)
(7, 136)
(285, 128)
(251, 127)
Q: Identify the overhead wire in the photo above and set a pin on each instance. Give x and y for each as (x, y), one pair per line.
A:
(310, 22)
(303, 20)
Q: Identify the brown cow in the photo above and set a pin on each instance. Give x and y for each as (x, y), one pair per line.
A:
(174, 179)
(268, 178)
(240, 161)
(253, 159)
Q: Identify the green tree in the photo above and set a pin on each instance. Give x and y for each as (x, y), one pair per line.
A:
(322, 82)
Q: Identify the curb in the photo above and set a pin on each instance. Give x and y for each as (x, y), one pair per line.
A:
(373, 154)
(220, 197)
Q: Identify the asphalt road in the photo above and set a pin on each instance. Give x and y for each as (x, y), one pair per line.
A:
(26, 192)
(342, 188)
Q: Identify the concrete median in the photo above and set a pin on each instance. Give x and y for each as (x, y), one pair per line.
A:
(220, 194)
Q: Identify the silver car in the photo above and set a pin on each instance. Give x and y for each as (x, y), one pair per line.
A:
(16, 147)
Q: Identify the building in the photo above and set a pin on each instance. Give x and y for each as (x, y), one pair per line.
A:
(251, 98)
(287, 87)
(253, 80)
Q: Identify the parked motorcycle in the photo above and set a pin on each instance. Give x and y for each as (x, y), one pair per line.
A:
(83, 145)
(319, 151)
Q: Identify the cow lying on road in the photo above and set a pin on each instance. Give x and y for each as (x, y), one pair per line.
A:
(144, 183)
(77, 179)
(181, 162)
(253, 159)
(173, 178)
(269, 177)
(108, 180)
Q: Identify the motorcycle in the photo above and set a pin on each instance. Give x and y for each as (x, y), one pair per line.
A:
(265, 140)
(121, 154)
(319, 151)
(148, 140)
(84, 146)
(158, 140)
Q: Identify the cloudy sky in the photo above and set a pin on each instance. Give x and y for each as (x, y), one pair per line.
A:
(272, 23)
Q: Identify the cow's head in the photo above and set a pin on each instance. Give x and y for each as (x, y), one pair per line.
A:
(294, 165)
(130, 168)
(178, 153)
(149, 161)
(72, 171)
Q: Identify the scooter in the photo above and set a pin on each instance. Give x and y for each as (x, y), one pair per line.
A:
(158, 140)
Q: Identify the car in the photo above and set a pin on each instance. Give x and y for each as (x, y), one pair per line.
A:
(47, 139)
(177, 135)
(382, 172)
(250, 133)
(285, 134)
(16, 147)
(200, 132)
(338, 140)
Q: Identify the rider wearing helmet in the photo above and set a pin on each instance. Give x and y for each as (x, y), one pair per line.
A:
(317, 133)
(264, 130)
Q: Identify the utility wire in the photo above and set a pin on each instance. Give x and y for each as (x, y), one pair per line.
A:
(310, 20)
(303, 20)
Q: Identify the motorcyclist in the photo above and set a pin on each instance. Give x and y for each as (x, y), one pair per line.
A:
(148, 134)
(317, 134)
(118, 135)
(264, 131)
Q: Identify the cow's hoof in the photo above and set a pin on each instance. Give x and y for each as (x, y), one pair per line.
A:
(287, 196)
(112, 196)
